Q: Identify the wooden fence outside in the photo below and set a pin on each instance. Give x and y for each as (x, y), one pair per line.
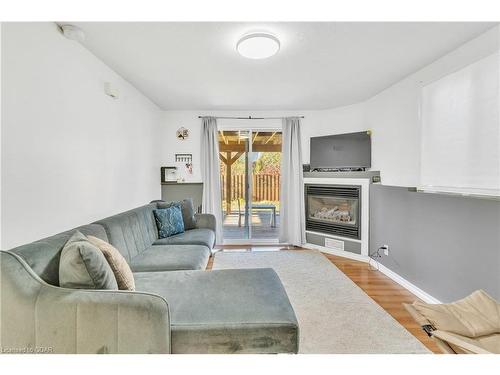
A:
(266, 187)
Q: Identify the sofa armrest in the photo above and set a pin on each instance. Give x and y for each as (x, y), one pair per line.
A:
(205, 221)
(85, 321)
(35, 314)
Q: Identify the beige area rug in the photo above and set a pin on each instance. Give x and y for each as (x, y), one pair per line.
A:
(334, 314)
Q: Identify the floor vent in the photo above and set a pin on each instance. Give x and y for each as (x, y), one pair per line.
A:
(334, 244)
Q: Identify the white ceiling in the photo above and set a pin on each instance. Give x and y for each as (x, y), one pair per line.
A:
(320, 65)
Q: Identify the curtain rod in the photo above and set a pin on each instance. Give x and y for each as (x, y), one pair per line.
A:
(250, 117)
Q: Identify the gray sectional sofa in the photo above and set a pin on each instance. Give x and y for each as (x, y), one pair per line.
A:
(177, 307)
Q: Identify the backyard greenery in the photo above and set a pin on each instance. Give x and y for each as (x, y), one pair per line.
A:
(266, 163)
(266, 175)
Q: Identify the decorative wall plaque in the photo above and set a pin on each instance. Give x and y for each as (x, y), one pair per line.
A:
(182, 133)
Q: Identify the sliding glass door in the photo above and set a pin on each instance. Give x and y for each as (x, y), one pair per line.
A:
(250, 163)
(265, 174)
(234, 148)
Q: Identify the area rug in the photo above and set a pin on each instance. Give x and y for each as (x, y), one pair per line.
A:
(334, 314)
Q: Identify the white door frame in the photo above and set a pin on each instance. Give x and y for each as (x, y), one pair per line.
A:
(250, 240)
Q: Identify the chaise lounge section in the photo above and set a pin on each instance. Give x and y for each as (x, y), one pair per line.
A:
(177, 306)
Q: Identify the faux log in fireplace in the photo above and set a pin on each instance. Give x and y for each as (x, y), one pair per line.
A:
(333, 209)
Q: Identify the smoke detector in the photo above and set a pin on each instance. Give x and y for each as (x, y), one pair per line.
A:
(73, 32)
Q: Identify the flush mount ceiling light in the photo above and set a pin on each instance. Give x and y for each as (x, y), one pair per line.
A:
(258, 45)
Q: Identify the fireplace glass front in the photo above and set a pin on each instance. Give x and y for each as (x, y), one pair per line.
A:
(333, 209)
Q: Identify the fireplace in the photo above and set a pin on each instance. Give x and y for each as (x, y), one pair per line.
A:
(333, 209)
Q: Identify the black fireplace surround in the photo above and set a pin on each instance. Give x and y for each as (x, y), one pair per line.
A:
(333, 209)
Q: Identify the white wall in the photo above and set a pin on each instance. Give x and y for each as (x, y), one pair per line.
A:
(70, 154)
(173, 120)
(339, 120)
(392, 115)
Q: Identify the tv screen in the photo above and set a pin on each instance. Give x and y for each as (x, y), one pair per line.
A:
(351, 150)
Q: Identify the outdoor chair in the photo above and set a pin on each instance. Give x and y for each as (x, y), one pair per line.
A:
(468, 326)
(269, 206)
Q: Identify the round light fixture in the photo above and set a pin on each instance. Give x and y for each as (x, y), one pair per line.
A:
(258, 46)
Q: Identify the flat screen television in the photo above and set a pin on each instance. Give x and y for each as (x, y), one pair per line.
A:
(341, 151)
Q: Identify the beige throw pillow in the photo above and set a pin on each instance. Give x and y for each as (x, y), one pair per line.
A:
(474, 316)
(119, 266)
(83, 266)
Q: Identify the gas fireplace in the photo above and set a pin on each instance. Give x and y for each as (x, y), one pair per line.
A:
(333, 209)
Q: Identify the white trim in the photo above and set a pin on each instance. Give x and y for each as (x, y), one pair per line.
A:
(345, 254)
(336, 181)
(334, 236)
(231, 126)
(253, 125)
(424, 296)
(365, 203)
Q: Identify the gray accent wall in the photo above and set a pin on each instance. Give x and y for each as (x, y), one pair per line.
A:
(179, 191)
(448, 246)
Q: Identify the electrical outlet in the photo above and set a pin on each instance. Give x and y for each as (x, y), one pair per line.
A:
(386, 250)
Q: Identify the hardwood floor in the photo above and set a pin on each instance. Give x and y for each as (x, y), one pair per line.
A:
(387, 293)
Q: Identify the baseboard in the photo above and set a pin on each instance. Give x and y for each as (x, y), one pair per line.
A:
(426, 297)
(345, 254)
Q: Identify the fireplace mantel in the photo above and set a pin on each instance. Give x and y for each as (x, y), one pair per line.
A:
(352, 248)
(373, 176)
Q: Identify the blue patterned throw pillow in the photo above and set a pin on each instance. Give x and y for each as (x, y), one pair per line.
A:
(169, 221)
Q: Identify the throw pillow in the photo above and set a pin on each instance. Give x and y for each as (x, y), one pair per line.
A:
(187, 209)
(119, 266)
(169, 221)
(83, 266)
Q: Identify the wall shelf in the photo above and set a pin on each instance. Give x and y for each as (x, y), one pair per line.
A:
(457, 193)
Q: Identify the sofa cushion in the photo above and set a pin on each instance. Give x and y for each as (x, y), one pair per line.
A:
(202, 236)
(171, 258)
(187, 209)
(119, 266)
(133, 231)
(83, 266)
(169, 221)
(227, 311)
(43, 255)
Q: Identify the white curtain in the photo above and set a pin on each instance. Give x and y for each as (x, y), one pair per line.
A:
(210, 171)
(292, 225)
